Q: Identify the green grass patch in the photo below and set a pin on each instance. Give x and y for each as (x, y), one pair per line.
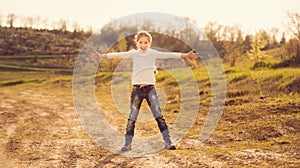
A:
(104, 77)
(237, 93)
(13, 68)
(260, 65)
(175, 110)
(285, 80)
(217, 151)
(17, 82)
(238, 78)
(283, 141)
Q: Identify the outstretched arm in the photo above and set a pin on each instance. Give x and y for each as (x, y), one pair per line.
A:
(112, 55)
(191, 55)
(95, 55)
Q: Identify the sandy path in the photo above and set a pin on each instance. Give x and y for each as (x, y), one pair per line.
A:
(40, 128)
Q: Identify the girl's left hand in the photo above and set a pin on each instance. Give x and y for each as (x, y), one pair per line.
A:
(193, 55)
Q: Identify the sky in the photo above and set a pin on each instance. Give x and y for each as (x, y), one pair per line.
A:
(251, 15)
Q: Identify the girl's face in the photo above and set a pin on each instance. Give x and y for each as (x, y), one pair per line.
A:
(143, 43)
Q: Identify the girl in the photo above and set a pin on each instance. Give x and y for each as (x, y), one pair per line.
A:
(143, 84)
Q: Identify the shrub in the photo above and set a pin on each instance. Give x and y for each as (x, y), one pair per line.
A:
(238, 78)
(261, 64)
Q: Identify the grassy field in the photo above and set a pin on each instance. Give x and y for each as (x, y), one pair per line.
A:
(39, 126)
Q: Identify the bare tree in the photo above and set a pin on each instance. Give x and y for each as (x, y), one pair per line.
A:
(44, 23)
(282, 39)
(63, 25)
(233, 43)
(264, 36)
(211, 31)
(30, 22)
(11, 19)
(274, 33)
(89, 30)
(37, 21)
(294, 30)
(23, 21)
(76, 27)
(1, 20)
(225, 33)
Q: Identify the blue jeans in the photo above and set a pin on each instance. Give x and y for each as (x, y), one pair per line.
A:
(138, 94)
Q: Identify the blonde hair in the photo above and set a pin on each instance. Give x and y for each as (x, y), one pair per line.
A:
(143, 34)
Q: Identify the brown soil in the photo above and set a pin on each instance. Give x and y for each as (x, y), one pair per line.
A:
(40, 128)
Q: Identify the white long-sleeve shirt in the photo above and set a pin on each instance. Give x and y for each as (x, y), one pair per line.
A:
(144, 63)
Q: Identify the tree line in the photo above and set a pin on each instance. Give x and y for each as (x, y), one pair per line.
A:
(229, 41)
(12, 20)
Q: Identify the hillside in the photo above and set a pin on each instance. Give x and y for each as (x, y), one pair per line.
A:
(26, 41)
(259, 127)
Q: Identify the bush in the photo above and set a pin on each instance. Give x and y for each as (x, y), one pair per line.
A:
(261, 64)
(291, 62)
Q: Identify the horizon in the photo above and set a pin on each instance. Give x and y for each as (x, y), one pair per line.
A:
(267, 14)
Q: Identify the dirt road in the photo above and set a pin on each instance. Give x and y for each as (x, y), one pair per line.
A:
(40, 128)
